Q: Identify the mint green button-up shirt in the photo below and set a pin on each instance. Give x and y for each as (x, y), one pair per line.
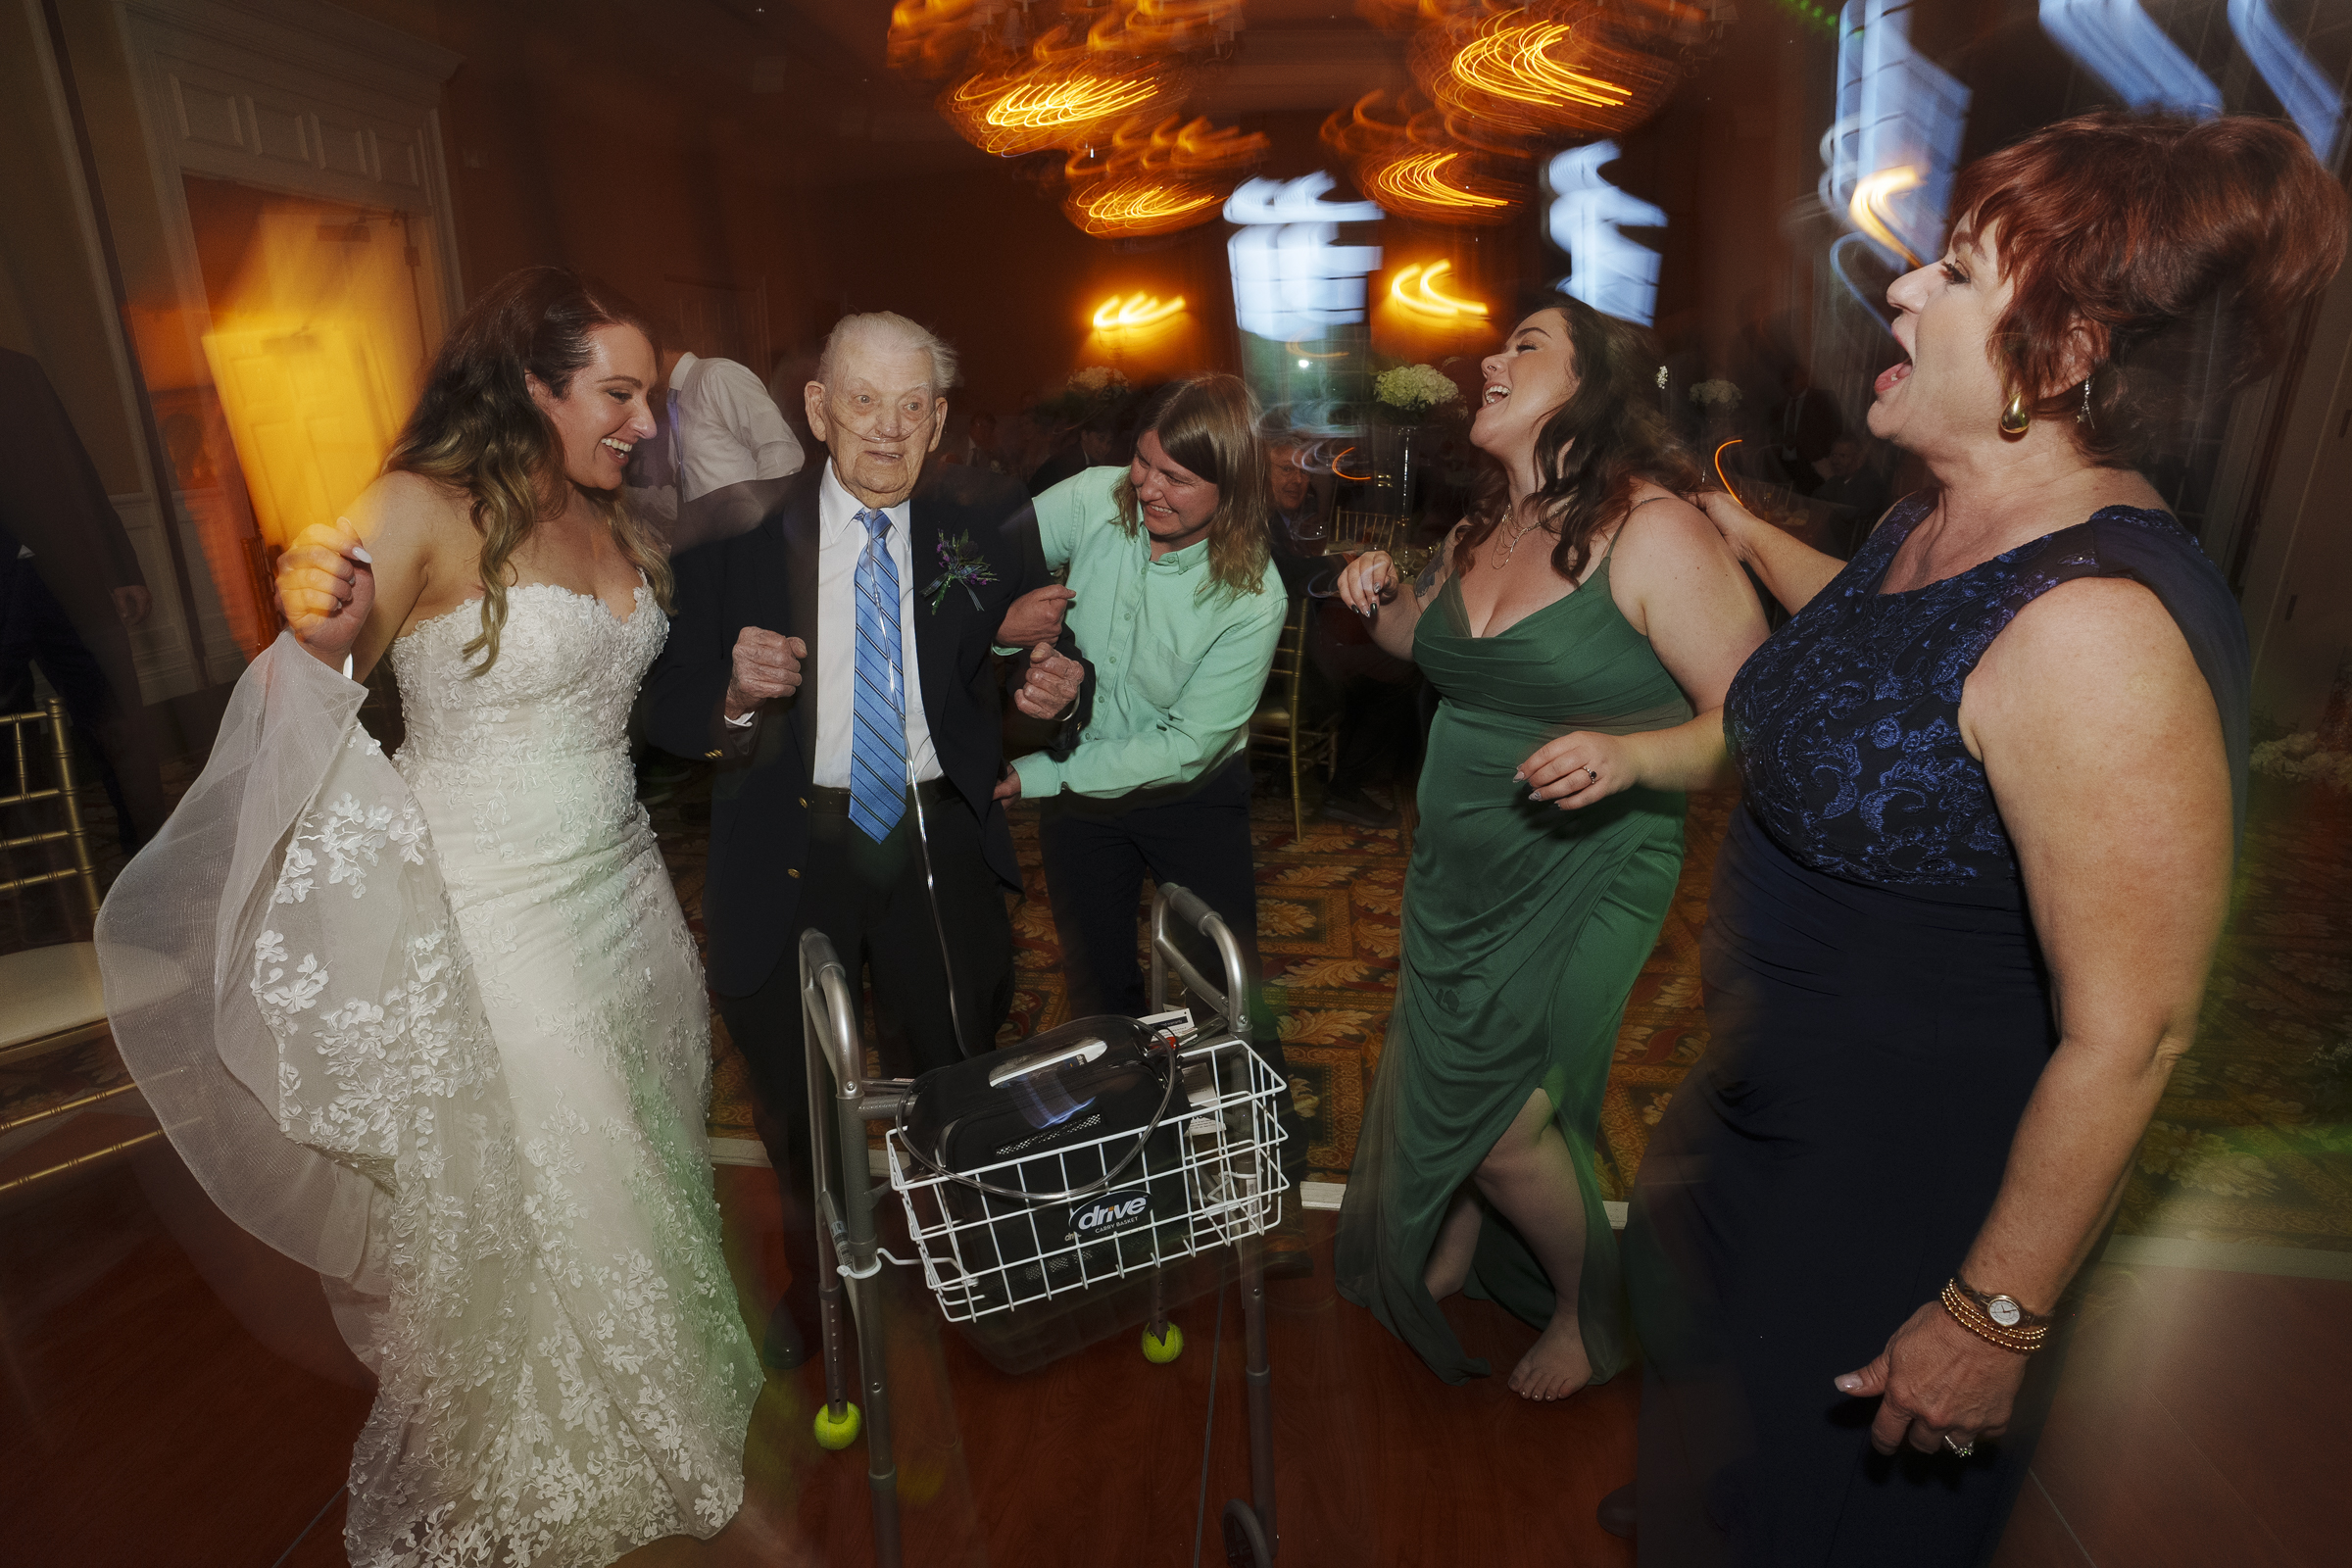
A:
(1177, 673)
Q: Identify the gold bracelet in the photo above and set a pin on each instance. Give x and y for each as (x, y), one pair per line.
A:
(1963, 1309)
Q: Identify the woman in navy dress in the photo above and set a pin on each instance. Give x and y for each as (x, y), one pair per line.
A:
(1960, 930)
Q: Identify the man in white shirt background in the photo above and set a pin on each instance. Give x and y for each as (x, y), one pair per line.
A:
(719, 454)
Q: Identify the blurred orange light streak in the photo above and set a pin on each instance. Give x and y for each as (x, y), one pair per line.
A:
(1116, 315)
(1128, 207)
(1866, 207)
(1514, 61)
(1342, 473)
(1076, 101)
(1721, 475)
(1418, 179)
(1416, 289)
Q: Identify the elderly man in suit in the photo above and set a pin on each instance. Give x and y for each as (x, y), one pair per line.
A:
(836, 663)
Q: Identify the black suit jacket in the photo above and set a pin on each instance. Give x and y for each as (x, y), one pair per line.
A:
(767, 578)
(52, 503)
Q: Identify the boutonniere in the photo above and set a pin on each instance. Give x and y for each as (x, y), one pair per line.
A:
(961, 567)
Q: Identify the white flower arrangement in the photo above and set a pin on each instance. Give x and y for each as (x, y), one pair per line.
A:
(1711, 393)
(1414, 388)
(2299, 758)
(1096, 379)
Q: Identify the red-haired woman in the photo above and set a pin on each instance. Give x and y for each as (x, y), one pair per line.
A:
(458, 1059)
(1960, 930)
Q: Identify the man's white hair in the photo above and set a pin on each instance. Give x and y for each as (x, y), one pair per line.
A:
(914, 335)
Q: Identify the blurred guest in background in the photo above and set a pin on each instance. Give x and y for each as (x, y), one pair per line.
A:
(835, 664)
(71, 589)
(1298, 523)
(975, 445)
(1379, 726)
(1855, 492)
(1806, 423)
(719, 452)
(1582, 625)
(1091, 443)
(1177, 608)
(1960, 929)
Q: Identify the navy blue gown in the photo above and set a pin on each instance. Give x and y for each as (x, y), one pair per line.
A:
(1879, 1014)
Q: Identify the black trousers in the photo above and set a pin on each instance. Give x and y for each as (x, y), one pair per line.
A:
(868, 898)
(1096, 855)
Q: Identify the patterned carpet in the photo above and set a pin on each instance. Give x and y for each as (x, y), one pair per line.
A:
(2253, 1139)
(2252, 1143)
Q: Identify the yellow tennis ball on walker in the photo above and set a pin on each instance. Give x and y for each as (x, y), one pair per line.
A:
(1160, 1351)
(832, 1434)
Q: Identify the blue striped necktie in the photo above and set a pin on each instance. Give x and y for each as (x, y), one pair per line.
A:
(878, 740)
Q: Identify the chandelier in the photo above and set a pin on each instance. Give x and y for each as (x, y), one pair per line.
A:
(1100, 83)
(1577, 67)
(1495, 82)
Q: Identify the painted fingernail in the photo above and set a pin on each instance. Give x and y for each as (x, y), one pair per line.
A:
(359, 553)
(1849, 1382)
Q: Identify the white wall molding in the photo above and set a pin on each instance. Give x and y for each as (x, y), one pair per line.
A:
(312, 39)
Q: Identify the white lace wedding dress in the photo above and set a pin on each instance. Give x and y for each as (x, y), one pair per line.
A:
(436, 1028)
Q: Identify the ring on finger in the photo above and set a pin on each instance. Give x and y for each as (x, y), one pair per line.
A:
(1960, 1450)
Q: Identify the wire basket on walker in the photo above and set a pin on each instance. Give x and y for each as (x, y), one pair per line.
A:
(1052, 1190)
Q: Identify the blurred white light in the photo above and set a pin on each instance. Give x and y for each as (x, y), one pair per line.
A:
(1608, 272)
(1303, 365)
(2119, 43)
(2310, 100)
(1897, 109)
(1291, 278)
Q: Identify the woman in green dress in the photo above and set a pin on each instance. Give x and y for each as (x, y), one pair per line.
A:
(1581, 625)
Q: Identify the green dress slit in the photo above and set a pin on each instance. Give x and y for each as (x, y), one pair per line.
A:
(1524, 928)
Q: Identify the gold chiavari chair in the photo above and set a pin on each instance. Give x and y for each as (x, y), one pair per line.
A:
(1354, 530)
(1281, 724)
(50, 997)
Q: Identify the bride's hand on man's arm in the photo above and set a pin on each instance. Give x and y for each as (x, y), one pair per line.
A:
(325, 589)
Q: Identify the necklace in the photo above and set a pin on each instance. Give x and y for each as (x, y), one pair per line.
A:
(1502, 557)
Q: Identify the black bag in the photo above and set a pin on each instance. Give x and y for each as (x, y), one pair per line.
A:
(1067, 1105)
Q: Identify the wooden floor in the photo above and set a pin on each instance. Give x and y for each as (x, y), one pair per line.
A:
(2202, 1422)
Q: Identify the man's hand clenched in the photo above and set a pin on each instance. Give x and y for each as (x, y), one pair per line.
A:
(767, 667)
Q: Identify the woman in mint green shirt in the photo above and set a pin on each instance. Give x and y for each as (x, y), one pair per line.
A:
(1177, 607)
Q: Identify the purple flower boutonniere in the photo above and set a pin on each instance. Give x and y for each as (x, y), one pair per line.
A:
(961, 567)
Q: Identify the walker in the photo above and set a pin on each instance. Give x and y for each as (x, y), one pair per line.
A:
(1022, 1293)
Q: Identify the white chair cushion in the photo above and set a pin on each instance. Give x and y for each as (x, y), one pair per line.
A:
(46, 991)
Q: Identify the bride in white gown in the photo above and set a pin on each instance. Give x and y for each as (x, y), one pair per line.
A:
(435, 1027)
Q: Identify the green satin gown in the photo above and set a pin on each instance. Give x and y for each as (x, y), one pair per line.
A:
(1524, 928)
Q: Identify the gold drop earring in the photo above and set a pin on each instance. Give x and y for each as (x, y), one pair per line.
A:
(2016, 421)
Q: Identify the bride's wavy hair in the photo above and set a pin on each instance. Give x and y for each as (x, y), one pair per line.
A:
(1596, 447)
(476, 428)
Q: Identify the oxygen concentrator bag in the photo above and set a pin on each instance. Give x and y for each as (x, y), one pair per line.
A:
(1065, 1123)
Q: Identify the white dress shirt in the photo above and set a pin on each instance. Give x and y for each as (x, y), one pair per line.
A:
(839, 539)
(729, 429)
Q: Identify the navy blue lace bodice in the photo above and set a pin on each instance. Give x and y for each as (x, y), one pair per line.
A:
(1845, 724)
